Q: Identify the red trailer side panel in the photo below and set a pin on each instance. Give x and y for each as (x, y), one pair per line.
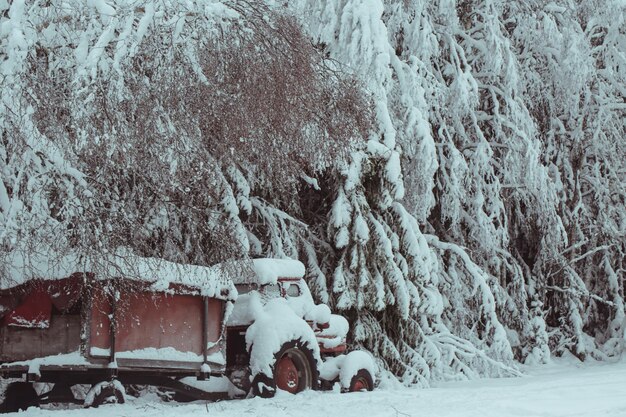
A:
(99, 325)
(216, 316)
(153, 320)
(159, 320)
(33, 312)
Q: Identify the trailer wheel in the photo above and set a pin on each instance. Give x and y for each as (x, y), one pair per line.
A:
(106, 392)
(19, 396)
(294, 371)
(361, 381)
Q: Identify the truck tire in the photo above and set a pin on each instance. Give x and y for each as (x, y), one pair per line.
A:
(19, 396)
(361, 381)
(294, 370)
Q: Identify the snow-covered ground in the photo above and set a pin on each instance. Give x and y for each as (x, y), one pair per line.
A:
(562, 389)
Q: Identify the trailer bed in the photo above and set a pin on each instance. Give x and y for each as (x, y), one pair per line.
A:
(114, 327)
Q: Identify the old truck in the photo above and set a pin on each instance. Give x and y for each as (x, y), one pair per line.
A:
(232, 330)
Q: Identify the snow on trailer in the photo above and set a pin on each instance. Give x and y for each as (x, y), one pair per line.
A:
(154, 323)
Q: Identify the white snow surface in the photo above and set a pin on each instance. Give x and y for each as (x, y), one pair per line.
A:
(319, 313)
(244, 309)
(167, 354)
(336, 332)
(563, 389)
(338, 326)
(213, 384)
(269, 270)
(76, 359)
(303, 304)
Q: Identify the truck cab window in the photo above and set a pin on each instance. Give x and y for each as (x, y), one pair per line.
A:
(292, 289)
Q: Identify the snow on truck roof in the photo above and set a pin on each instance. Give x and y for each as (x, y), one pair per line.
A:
(214, 281)
(268, 271)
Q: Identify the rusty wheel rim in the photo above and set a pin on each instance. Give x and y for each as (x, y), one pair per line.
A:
(287, 375)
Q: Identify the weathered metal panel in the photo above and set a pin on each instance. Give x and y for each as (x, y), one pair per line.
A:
(18, 344)
(99, 323)
(157, 320)
(216, 316)
(33, 312)
(153, 320)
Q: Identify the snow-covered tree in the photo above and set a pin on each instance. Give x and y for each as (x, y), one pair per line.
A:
(460, 90)
(465, 211)
(137, 126)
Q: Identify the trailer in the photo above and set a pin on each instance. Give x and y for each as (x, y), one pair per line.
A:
(154, 323)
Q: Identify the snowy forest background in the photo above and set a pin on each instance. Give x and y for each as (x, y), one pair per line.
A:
(452, 173)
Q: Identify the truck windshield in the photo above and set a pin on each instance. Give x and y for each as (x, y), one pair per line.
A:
(270, 290)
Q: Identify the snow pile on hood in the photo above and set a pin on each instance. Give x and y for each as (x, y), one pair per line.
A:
(275, 324)
(319, 313)
(336, 332)
(214, 281)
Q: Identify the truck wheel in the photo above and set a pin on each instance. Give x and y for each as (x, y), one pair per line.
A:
(361, 381)
(263, 386)
(106, 392)
(19, 396)
(294, 370)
